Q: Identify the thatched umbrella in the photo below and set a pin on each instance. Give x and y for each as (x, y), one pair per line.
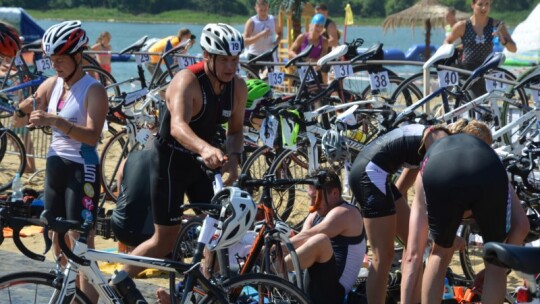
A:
(430, 12)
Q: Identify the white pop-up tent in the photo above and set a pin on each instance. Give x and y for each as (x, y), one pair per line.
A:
(527, 38)
(19, 18)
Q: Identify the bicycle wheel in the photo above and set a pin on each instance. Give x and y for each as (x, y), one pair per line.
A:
(262, 288)
(411, 90)
(105, 78)
(186, 241)
(112, 158)
(256, 165)
(511, 113)
(12, 158)
(33, 287)
(290, 203)
(471, 258)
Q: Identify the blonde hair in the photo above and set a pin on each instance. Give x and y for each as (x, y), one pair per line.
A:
(102, 36)
(473, 127)
(427, 132)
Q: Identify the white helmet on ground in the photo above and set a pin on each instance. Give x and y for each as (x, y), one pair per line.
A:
(222, 39)
(64, 38)
(334, 146)
(237, 215)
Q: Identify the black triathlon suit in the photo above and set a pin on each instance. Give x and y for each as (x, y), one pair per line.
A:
(322, 280)
(175, 171)
(372, 170)
(131, 220)
(461, 172)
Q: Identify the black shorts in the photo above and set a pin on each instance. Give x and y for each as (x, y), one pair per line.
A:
(460, 175)
(71, 189)
(174, 174)
(373, 188)
(322, 283)
(258, 68)
(131, 220)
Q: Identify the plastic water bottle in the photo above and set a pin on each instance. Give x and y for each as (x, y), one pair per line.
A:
(126, 288)
(497, 47)
(448, 290)
(17, 187)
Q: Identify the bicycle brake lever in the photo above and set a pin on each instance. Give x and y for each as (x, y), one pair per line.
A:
(47, 239)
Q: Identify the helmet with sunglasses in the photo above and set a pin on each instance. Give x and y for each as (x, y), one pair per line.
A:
(64, 38)
(10, 43)
(238, 211)
(222, 39)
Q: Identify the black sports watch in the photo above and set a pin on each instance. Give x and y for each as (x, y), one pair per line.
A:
(20, 113)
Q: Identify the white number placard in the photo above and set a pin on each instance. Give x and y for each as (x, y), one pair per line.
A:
(303, 70)
(379, 81)
(492, 85)
(343, 70)
(44, 64)
(536, 95)
(184, 62)
(143, 135)
(448, 78)
(142, 58)
(276, 78)
(268, 131)
(234, 46)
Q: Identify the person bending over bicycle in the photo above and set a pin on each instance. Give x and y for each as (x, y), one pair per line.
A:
(459, 173)
(74, 105)
(384, 205)
(331, 244)
(199, 99)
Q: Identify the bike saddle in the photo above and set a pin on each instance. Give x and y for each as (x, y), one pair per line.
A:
(336, 53)
(375, 52)
(303, 54)
(491, 62)
(270, 51)
(531, 77)
(135, 47)
(36, 44)
(444, 52)
(524, 259)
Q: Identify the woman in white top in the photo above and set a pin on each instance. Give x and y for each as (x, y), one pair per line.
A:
(74, 105)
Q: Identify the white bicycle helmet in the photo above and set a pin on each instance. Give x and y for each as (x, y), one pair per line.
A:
(237, 215)
(334, 146)
(64, 38)
(222, 39)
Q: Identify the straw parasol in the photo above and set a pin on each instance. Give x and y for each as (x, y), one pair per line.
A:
(430, 12)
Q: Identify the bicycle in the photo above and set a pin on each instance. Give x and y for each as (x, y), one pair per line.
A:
(521, 259)
(60, 283)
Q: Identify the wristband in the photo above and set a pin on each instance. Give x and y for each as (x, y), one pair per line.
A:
(20, 113)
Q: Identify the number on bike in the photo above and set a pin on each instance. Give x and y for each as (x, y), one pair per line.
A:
(276, 78)
(492, 85)
(448, 78)
(343, 70)
(379, 81)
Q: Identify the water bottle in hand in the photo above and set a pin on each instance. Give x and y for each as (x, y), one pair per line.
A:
(17, 187)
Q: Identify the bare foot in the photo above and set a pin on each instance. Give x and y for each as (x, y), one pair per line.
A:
(163, 296)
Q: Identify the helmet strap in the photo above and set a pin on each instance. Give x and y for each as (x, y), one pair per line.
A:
(213, 71)
(70, 76)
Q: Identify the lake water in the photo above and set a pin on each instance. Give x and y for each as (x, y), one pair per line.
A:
(124, 34)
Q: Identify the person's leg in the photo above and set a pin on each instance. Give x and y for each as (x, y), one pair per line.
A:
(158, 246)
(519, 223)
(380, 234)
(317, 249)
(434, 273)
(495, 283)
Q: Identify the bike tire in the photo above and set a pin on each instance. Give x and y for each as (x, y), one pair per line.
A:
(12, 157)
(114, 152)
(256, 166)
(253, 285)
(33, 287)
(105, 78)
